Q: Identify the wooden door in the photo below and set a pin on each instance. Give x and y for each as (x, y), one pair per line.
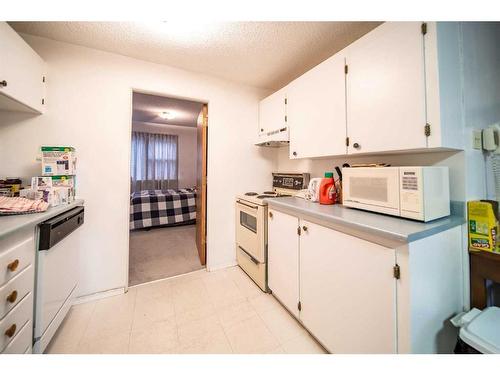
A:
(316, 111)
(386, 89)
(201, 185)
(283, 259)
(347, 291)
(272, 112)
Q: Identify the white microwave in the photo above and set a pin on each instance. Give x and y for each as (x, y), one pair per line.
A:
(419, 193)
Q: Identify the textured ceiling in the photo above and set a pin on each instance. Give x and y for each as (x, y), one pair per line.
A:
(260, 54)
(146, 108)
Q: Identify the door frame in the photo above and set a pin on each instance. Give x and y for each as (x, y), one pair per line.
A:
(203, 101)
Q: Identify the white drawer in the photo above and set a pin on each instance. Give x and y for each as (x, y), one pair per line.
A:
(257, 271)
(15, 290)
(16, 258)
(15, 320)
(22, 341)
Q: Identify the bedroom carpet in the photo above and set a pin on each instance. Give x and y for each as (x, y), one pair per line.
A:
(162, 252)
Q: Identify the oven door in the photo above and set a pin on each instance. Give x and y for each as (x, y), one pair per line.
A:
(374, 189)
(250, 229)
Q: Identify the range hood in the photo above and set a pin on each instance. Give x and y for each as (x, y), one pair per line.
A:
(274, 138)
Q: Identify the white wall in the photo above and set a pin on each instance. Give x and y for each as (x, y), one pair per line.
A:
(89, 98)
(186, 144)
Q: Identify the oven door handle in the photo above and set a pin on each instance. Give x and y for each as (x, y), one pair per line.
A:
(248, 255)
(247, 205)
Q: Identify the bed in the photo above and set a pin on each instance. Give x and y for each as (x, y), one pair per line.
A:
(151, 208)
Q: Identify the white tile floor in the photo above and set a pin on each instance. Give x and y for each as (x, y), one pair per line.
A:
(201, 312)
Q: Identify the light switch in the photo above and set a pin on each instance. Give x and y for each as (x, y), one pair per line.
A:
(477, 142)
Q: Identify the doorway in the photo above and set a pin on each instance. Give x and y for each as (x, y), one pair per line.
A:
(168, 193)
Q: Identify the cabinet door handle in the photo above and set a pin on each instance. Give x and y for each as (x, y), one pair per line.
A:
(294, 153)
(304, 228)
(3, 83)
(11, 331)
(13, 265)
(270, 214)
(356, 145)
(12, 297)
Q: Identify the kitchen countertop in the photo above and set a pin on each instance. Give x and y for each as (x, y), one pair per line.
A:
(11, 223)
(391, 230)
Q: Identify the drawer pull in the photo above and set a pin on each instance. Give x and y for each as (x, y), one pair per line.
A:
(12, 297)
(11, 331)
(13, 265)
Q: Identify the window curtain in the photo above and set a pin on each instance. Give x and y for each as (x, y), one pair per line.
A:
(154, 163)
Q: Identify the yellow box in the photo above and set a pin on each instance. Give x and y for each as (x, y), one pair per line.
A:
(483, 225)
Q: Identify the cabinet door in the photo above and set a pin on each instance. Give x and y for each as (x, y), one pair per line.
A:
(347, 291)
(272, 112)
(386, 89)
(283, 259)
(316, 111)
(22, 70)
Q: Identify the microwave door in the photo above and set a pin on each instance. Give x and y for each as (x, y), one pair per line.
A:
(375, 189)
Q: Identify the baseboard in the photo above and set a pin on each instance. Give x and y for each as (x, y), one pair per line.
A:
(221, 266)
(99, 295)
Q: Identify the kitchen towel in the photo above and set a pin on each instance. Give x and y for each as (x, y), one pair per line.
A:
(17, 205)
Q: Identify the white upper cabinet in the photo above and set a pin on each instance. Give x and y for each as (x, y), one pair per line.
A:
(22, 74)
(272, 112)
(316, 111)
(400, 92)
(386, 89)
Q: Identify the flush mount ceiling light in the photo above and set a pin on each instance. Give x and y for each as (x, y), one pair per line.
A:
(167, 115)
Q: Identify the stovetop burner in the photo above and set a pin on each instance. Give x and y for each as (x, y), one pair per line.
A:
(262, 196)
(251, 194)
(269, 192)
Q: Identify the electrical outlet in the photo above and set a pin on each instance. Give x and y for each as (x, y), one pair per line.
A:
(477, 139)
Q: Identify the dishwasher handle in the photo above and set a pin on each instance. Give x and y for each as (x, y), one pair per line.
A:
(54, 230)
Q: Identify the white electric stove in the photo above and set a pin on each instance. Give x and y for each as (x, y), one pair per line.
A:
(251, 224)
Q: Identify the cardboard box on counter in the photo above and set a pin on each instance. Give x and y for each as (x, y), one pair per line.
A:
(56, 190)
(58, 161)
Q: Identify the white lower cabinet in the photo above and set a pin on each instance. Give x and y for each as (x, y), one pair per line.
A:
(347, 291)
(283, 260)
(17, 281)
(359, 296)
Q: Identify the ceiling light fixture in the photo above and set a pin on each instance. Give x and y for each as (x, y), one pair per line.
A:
(166, 115)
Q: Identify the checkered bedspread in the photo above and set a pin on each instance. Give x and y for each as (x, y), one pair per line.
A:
(149, 208)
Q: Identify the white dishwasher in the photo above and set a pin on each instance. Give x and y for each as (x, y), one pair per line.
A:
(56, 274)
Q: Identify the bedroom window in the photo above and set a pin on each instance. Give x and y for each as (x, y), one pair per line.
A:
(154, 163)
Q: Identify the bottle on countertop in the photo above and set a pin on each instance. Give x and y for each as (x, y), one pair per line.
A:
(327, 191)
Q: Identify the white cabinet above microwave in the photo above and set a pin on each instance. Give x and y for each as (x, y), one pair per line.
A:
(22, 74)
(396, 89)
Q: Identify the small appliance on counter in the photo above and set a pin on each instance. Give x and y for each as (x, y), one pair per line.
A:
(251, 224)
(419, 193)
